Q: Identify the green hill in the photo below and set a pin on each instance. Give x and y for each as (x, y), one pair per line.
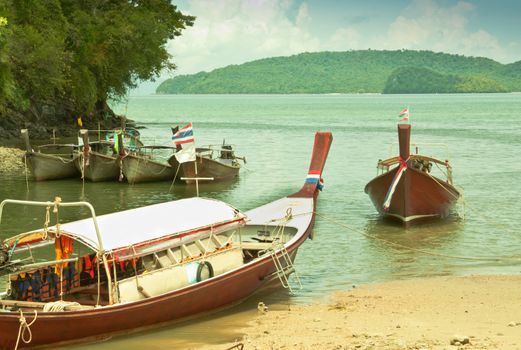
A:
(350, 72)
(423, 81)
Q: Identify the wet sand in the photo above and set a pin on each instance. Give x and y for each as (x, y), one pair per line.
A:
(431, 313)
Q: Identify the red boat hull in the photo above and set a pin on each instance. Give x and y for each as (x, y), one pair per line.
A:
(80, 326)
(418, 196)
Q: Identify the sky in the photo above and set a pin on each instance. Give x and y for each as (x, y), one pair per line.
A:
(236, 31)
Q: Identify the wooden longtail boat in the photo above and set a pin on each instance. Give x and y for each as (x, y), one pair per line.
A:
(45, 165)
(409, 192)
(101, 160)
(144, 166)
(155, 264)
(98, 161)
(217, 162)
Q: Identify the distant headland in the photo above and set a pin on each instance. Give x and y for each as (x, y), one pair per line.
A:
(362, 71)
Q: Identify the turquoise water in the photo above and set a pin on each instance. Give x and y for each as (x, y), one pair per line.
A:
(275, 134)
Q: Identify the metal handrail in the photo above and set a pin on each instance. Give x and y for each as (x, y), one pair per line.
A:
(62, 204)
(101, 250)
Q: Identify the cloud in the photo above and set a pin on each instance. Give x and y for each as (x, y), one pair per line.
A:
(235, 31)
(426, 25)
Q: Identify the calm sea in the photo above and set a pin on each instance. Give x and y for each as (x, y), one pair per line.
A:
(275, 134)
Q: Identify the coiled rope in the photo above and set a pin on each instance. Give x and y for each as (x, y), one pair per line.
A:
(24, 332)
(58, 306)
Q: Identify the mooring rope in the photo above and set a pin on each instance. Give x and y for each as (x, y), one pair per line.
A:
(422, 251)
(58, 306)
(25, 329)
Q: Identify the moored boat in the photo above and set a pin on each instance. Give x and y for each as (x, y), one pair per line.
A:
(150, 265)
(101, 160)
(405, 190)
(145, 166)
(50, 162)
(217, 162)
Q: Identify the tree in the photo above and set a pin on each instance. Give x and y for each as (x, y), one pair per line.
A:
(76, 55)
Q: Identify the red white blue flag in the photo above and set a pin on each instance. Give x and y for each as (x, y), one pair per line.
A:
(184, 135)
(404, 114)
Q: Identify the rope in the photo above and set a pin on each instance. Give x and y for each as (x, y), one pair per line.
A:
(58, 306)
(25, 329)
(422, 251)
(26, 173)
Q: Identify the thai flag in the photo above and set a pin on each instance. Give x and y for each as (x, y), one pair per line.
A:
(184, 135)
(404, 114)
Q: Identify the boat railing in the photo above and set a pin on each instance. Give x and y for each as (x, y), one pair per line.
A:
(58, 203)
(415, 148)
(423, 163)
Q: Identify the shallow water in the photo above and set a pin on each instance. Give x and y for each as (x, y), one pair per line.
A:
(275, 133)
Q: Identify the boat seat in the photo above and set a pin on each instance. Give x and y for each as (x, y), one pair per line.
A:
(256, 245)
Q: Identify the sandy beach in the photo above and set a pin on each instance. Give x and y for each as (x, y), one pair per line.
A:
(11, 162)
(475, 312)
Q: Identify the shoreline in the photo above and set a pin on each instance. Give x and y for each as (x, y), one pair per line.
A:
(11, 162)
(425, 313)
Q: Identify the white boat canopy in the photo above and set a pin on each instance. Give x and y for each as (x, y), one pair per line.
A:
(131, 227)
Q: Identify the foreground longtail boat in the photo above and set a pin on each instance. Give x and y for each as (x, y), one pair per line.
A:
(148, 266)
(406, 190)
(50, 162)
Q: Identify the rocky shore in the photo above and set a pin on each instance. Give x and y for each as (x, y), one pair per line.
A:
(476, 312)
(11, 161)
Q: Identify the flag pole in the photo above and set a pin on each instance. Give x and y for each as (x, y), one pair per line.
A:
(196, 178)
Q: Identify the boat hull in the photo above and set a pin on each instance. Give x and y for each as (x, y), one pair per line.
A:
(140, 169)
(50, 167)
(85, 325)
(206, 167)
(100, 167)
(418, 196)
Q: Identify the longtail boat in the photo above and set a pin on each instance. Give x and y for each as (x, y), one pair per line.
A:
(145, 165)
(101, 160)
(404, 188)
(217, 162)
(50, 162)
(149, 266)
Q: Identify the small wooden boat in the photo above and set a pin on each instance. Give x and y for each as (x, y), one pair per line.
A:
(144, 267)
(101, 160)
(145, 165)
(217, 162)
(405, 189)
(98, 161)
(50, 162)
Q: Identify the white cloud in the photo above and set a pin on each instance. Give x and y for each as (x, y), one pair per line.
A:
(235, 31)
(425, 25)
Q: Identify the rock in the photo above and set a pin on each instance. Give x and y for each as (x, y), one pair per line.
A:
(459, 340)
(263, 308)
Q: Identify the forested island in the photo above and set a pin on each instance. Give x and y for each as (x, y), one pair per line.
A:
(64, 59)
(363, 71)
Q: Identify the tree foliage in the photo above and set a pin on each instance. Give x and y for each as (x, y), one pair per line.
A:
(79, 54)
(339, 72)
